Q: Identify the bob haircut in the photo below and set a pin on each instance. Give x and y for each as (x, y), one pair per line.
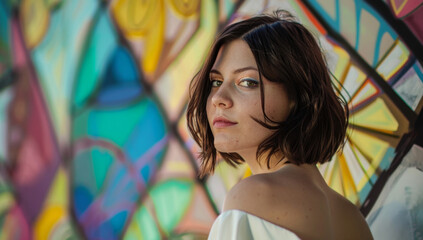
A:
(287, 53)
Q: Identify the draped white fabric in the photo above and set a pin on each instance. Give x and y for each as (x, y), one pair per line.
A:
(236, 224)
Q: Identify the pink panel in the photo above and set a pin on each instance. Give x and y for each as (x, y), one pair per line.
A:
(415, 22)
(31, 142)
(403, 7)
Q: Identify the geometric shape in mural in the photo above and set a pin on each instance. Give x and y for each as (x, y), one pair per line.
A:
(93, 94)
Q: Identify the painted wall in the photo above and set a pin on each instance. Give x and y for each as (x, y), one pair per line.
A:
(93, 142)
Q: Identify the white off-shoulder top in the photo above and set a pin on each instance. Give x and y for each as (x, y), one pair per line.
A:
(236, 224)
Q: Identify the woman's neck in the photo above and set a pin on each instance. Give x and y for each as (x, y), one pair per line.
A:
(259, 166)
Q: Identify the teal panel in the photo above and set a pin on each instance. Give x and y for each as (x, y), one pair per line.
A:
(99, 47)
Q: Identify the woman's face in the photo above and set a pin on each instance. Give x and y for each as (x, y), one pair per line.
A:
(235, 98)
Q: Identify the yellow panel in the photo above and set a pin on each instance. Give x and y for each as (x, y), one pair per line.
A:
(376, 116)
(230, 175)
(365, 165)
(247, 172)
(55, 207)
(134, 231)
(356, 170)
(186, 8)
(136, 18)
(47, 220)
(335, 180)
(373, 148)
(348, 183)
(6, 202)
(172, 86)
(143, 19)
(59, 190)
(153, 46)
(395, 60)
(177, 166)
(35, 18)
(341, 62)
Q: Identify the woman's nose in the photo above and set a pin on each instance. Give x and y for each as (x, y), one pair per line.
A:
(222, 98)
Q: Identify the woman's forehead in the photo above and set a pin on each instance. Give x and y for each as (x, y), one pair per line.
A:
(234, 55)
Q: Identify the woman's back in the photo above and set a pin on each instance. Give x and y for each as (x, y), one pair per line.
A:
(298, 199)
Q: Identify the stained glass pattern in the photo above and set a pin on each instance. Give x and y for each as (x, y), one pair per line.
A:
(93, 137)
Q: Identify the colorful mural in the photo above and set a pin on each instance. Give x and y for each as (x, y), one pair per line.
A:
(93, 138)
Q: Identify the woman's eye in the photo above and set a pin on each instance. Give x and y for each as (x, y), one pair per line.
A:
(216, 83)
(249, 83)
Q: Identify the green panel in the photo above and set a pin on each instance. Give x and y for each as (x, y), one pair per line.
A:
(116, 125)
(14, 3)
(228, 8)
(80, 128)
(142, 227)
(171, 200)
(101, 161)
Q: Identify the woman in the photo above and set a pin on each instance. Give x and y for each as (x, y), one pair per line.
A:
(264, 96)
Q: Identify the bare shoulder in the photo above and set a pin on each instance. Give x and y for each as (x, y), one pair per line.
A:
(249, 193)
(283, 201)
(348, 220)
(258, 191)
(300, 202)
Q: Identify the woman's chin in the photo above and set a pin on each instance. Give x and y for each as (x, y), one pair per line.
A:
(224, 147)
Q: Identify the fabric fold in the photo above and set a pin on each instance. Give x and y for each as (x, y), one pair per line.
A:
(237, 224)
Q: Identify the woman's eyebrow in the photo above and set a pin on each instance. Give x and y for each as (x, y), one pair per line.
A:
(215, 71)
(239, 70)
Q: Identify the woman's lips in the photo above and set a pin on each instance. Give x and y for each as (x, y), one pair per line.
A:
(221, 122)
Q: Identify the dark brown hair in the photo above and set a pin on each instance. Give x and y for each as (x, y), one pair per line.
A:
(287, 53)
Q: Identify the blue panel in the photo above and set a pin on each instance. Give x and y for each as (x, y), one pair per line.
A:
(4, 34)
(111, 229)
(121, 79)
(82, 199)
(387, 159)
(150, 129)
(418, 70)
